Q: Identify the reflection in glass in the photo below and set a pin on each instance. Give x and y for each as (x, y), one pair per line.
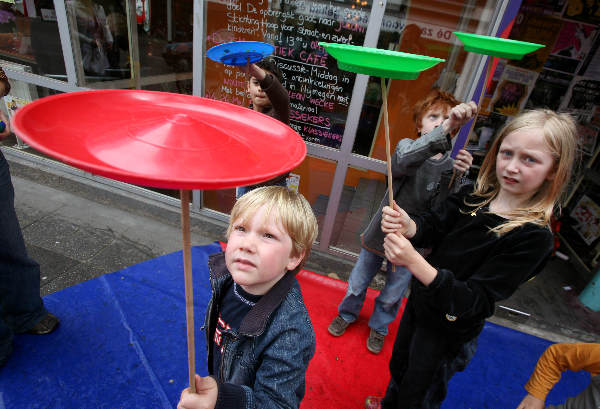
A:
(319, 92)
(30, 38)
(21, 93)
(361, 196)
(424, 28)
(313, 178)
(161, 57)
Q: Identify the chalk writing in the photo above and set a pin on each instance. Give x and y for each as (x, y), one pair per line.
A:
(319, 91)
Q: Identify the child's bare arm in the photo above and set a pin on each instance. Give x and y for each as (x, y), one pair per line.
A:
(459, 115)
(205, 396)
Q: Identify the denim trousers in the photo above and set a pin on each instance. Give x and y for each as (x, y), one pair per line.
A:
(21, 306)
(389, 299)
(423, 362)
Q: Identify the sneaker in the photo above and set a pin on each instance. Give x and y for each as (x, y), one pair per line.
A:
(373, 402)
(375, 341)
(48, 324)
(338, 326)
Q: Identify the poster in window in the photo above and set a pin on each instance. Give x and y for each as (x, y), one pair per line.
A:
(549, 91)
(591, 67)
(587, 11)
(588, 134)
(575, 40)
(537, 29)
(583, 96)
(513, 90)
(554, 7)
(587, 217)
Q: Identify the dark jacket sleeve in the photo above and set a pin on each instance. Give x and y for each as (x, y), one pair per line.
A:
(4, 79)
(411, 153)
(434, 224)
(475, 267)
(406, 160)
(278, 95)
(517, 259)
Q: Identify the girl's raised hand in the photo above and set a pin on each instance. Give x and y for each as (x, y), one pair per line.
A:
(396, 220)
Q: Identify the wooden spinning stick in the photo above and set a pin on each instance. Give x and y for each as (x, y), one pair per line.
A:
(387, 142)
(189, 286)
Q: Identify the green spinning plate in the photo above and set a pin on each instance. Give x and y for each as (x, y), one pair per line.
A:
(496, 47)
(379, 63)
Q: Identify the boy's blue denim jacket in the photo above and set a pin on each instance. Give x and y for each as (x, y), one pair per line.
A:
(264, 363)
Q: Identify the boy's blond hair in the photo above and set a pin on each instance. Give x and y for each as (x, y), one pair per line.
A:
(291, 209)
(560, 135)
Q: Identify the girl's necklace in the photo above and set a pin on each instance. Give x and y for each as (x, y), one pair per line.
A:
(473, 213)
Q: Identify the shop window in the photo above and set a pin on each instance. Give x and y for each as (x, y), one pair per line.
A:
(30, 38)
(362, 193)
(21, 93)
(163, 45)
(423, 28)
(313, 178)
(319, 92)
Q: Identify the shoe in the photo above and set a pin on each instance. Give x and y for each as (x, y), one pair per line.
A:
(373, 402)
(375, 341)
(48, 324)
(338, 326)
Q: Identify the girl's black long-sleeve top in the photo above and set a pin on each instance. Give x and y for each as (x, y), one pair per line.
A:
(476, 268)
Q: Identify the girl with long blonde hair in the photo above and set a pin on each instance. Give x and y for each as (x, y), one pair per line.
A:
(485, 242)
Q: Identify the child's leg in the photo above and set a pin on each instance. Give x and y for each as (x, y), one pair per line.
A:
(399, 359)
(22, 306)
(367, 265)
(415, 360)
(390, 298)
(450, 365)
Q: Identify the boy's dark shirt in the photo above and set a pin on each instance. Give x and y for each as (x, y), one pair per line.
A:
(234, 306)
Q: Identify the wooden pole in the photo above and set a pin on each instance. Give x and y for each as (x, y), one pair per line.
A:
(387, 142)
(388, 149)
(189, 290)
(485, 81)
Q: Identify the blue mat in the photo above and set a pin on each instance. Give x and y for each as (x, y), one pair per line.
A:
(501, 367)
(122, 344)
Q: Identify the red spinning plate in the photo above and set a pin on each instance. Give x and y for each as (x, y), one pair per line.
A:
(160, 139)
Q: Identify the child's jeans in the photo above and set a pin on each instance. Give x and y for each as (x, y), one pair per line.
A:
(389, 299)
